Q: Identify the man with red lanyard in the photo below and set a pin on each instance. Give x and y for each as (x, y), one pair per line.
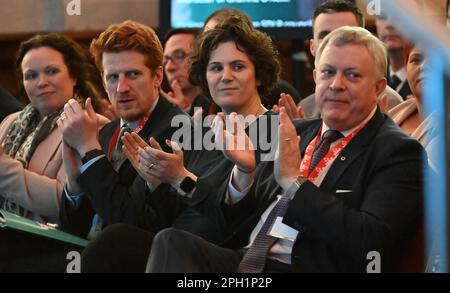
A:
(103, 187)
(351, 183)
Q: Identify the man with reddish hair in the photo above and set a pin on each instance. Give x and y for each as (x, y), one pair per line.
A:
(103, 186)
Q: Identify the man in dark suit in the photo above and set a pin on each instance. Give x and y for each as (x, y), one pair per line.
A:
(331, 15)
(396, 45)
(351, 183)
(103, 187)
(178, 46)
(8, 104)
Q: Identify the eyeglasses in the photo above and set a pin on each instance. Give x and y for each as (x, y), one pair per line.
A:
(177, 57)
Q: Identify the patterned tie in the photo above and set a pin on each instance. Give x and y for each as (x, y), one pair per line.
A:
(117, 156)
(323, 147)
(254, 259)
(116, 159)
(394, 81)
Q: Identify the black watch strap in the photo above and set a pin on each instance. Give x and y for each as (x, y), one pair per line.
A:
(188, 184)
(90, 155)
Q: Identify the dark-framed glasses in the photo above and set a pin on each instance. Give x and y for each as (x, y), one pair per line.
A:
(177, 57)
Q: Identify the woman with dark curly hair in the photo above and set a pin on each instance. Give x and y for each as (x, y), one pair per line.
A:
(235, 39)
(52, 69)
(274, 97)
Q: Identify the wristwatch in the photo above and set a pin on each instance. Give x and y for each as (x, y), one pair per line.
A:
(290, 192)
(187, 185)
(90, 155)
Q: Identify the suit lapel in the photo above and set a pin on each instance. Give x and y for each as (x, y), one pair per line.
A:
(352, 151)
(157, 122)
(106, 134)
(46, 151)
(160, 116)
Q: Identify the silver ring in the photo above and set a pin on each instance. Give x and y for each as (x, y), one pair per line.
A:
(150, 166)
(63, 116)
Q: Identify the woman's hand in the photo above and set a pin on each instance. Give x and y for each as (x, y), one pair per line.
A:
(292, 110)
(234, 143)
(237, 147)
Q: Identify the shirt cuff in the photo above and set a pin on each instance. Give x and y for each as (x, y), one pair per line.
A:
(90, 162)
(73, 199)
(233, 195)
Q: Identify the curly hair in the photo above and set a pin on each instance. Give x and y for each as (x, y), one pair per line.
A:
(128, 35)
(76, 59)
(256, 44)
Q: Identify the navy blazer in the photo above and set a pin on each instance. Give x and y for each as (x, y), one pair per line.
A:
(370, 200)
(120, 197)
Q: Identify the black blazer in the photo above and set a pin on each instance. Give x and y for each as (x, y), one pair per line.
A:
(198, 214)
(120, 197)
(8, 104)
(405, 91)
(380, 171)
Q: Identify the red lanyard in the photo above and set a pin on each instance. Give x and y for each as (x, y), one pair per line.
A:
(115, 137)
(329, 157)
(212, 108)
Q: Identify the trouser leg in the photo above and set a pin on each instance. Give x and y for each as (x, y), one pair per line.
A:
(119, 248)
(177, 251)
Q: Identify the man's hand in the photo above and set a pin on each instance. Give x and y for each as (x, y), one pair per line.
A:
(1, 150)
(287, 163)
(79, 127)
(176, 97)
(293, 111)
(166, 167)
(132, 143)
(108, 110)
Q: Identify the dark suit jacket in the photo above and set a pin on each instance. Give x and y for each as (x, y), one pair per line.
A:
(381, 172)
(404, 91)
(8, 104)
(198, 214)
(207, 104)
(120, 197)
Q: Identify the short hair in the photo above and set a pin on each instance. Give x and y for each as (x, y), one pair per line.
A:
(223, 14)
(128, 35)
(333, 6)
(181, 31)
(76, 59)
(256, 44)
(359, 36)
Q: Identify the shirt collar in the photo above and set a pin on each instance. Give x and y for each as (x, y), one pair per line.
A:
(400, 73)
(347, 132)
